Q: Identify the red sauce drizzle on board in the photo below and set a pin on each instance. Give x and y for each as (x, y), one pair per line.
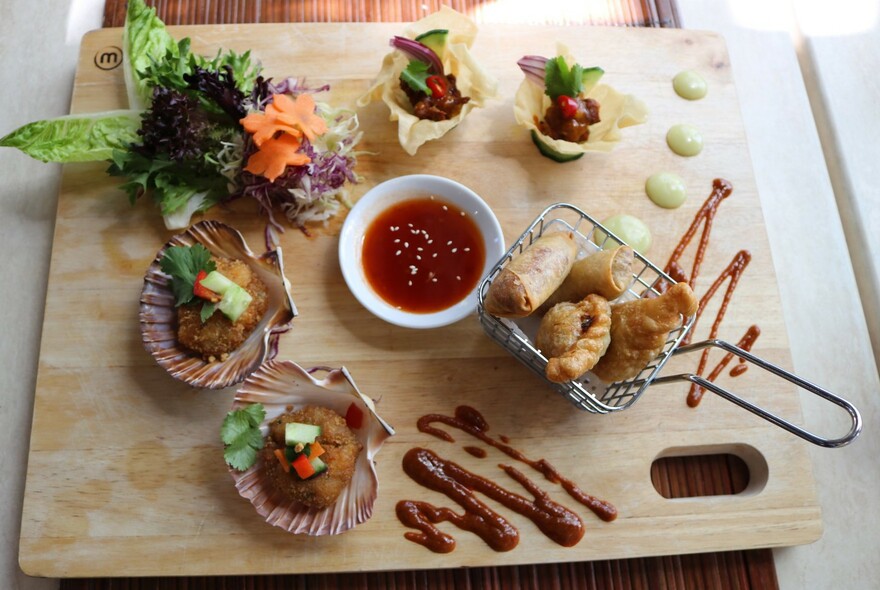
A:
(428, 469)
(721, 189)
(423, 255)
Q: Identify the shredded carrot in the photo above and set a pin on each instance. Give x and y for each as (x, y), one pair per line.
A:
(316, 450)
(299, 113)
(283, 460)
(275, 155)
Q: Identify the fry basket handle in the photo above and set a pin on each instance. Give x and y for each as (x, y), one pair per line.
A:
(856, 418)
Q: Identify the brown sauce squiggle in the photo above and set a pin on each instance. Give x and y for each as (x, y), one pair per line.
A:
(721, 189)
(430, 470)
(477, 452)
(469, 420)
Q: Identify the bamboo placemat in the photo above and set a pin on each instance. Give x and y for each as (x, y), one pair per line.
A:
(673, 477)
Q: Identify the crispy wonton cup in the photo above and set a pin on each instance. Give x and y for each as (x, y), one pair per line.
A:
(616, 111)
(472, 80)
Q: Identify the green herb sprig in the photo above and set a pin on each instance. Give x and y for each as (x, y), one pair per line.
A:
(241, 434)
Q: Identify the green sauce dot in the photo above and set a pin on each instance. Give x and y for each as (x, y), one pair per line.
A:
(628, 228)
(684, 140)
(666, 190)
(690, 85)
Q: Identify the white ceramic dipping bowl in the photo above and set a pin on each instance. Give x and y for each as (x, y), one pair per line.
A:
(389, 193)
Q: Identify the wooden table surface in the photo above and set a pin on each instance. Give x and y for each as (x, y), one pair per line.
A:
(739, 569)
(807, 245)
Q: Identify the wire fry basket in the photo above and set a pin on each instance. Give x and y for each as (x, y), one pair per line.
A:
(595, 396)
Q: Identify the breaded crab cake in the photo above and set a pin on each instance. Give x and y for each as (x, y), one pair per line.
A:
(341, 452)
(217, 337)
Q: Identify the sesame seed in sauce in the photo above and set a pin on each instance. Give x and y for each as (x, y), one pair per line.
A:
(415, 277)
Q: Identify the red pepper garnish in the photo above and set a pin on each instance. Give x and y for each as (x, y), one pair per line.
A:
(567, 105)
(438, 85)
(303, 467)
(354, 417)
(203, 292)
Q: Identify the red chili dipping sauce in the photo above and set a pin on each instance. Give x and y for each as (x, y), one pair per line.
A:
(423, 255)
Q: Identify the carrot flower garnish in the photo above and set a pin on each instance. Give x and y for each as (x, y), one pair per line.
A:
(299, 113)
(277, 134)
(264, 127)
(275, 155)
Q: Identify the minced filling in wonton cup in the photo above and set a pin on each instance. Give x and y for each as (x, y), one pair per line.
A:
(470, 78)
(616, 111)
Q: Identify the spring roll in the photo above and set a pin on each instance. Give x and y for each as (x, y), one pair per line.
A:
(607, 273)
(530, 278)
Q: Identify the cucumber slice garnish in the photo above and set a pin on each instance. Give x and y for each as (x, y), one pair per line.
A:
(435, 39)
(549, 152)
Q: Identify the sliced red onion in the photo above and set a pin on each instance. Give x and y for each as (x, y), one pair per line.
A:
(418, 51)
(534, 67)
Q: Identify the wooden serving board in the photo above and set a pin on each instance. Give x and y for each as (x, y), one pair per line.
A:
(126, 474)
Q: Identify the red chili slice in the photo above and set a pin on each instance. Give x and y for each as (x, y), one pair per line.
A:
(354, 417)
(203, 292)
(567, 105)
(438, 85)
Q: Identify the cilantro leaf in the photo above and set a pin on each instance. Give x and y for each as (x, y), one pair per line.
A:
(256, 414)
(208, 310)
(241, 434)
(415, 74)
(242, 453)
(561, 80)
(183, 263)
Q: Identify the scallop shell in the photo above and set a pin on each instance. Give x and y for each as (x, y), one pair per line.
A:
(278, 385)
(158, 316)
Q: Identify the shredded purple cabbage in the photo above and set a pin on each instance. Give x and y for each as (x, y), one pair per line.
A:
(303, 193)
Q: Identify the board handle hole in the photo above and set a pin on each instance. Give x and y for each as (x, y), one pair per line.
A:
(686, 473)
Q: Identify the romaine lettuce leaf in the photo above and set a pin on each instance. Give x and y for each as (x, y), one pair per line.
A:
(76, 138)
(145, 40)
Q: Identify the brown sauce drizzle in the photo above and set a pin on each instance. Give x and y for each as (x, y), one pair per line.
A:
(430, 470)
(469, 420)
(721, 189)
(476, 452)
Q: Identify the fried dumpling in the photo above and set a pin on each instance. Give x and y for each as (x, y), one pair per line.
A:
(639, 330)
(574, 336)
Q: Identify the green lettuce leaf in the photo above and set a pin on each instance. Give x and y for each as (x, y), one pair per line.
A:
(145, 40)
(179, 188)
(244, 70)
(76, 138)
